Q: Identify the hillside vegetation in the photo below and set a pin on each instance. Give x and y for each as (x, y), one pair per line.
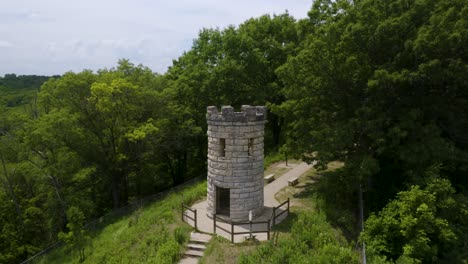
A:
(18, 93)
(380, 86)
(310, 234)
(151, 234)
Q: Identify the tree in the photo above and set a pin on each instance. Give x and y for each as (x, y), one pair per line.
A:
(76, 236)
(113, 112)
(371, 86)
(236, 66)
(423, 225)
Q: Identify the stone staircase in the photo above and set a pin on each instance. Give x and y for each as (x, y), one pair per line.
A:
(195, 248)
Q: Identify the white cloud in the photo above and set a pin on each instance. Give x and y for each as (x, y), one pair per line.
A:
(5, 44)
(52, 36)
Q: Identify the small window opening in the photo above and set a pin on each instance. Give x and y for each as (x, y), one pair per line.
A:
(251, 148)
(222, 147)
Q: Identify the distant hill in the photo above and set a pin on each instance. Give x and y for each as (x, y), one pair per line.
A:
(17, 90)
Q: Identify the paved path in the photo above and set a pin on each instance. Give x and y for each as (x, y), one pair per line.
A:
(275, 186)
(205, 224)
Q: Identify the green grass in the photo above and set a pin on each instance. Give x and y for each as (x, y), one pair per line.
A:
(306, 236)
(221, 250)
(274, 157)
(152, 234)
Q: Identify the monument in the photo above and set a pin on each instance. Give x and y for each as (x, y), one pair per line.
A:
(235, 161)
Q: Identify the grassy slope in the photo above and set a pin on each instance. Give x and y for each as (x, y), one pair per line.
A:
(220, 250)
(305, 214)
(148, 234)
(145, 236)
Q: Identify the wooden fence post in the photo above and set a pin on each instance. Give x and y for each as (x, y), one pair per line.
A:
(232, 233)
(274, 215)
(183, 213)
(214, 223)
(288, 205)
(268, 233)
(195, 212)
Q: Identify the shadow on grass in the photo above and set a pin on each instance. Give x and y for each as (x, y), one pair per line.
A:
(334, 194)
(285, 225)
(186, 193)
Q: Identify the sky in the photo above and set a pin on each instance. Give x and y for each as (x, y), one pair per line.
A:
(50, 37)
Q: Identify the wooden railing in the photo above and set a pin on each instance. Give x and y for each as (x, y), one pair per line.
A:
(185, 214)
(274, 215)
(268, 223)
(232, 232)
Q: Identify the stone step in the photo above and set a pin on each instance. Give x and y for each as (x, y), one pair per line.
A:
(198, 241)
(199, 237)
(189, 260)
(194, 253)
(199, 247)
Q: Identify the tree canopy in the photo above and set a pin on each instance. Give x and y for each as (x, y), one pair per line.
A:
(378, 85)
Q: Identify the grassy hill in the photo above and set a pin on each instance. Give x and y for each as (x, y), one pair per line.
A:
(312, 233)
(152, 234)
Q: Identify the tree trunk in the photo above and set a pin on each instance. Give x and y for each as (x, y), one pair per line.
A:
(276, 125)
(115, 190)
(119, 188)
(63, 205)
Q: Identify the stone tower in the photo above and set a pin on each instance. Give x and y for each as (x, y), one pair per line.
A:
(235, 161)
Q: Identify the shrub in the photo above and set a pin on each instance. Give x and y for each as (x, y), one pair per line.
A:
(422, 225)
(312, 240)
(168, 253)
(180, 235)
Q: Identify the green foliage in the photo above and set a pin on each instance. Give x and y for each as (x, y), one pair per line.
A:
(423, 225)
(271, 158)
(312, 240)
(180, 235)
(236, 66)
(17, 91)
(151, 239)
(333, 194)
(369, 84)
(168, 253)
(379, 85)
(76, 236)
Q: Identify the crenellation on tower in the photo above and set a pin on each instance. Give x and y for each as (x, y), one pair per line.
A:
(247, 114)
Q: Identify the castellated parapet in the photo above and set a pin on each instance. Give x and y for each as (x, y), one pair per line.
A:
(235, 161)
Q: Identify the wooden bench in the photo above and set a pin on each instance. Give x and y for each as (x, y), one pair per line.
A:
(269, 178)
(293, 181)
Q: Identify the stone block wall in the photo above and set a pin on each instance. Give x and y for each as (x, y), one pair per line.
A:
(235, 158)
